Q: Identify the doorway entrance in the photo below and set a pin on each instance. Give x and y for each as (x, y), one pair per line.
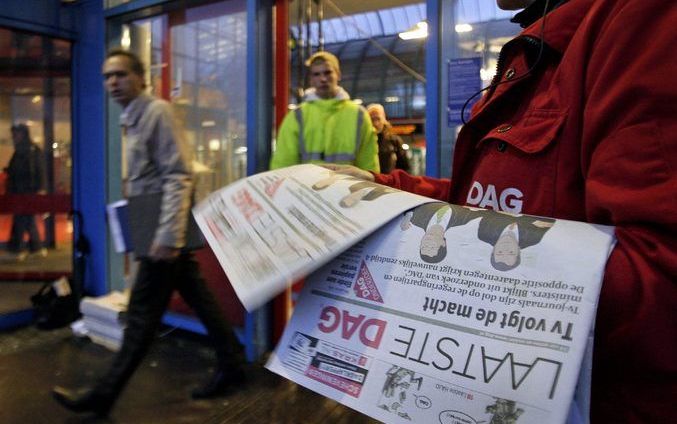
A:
(36, 232)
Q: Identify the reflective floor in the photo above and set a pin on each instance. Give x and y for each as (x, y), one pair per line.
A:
(16, 295)
(57, 261)
(32, 361)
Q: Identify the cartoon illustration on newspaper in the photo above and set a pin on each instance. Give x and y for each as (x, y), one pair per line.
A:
(399, 390)
(504, 411)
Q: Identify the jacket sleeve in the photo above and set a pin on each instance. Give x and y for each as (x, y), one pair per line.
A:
(436, 188)
(173, 160)
(11, 175)
(367, 157)
(40, 174)
(287, 144)
(629, 156)
(402, 160)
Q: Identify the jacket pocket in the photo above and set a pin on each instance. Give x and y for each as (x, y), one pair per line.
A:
(531, 134)
(516, 166)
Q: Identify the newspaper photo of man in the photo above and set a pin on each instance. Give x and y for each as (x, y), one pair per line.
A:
(435, 219)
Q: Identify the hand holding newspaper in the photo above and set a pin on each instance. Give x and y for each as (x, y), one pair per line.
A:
(445, 314)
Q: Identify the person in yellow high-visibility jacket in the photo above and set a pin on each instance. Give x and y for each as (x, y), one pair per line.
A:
(327, 127)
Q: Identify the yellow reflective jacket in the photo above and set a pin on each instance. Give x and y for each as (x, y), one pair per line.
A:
(327, 131)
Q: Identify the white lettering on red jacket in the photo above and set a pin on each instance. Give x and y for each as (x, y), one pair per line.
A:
(509, 200)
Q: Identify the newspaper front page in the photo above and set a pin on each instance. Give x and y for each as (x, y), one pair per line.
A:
(273, 228)
(452, 315)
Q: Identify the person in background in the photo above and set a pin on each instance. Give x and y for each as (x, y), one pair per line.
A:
(391, 153)
(579, 123)
(158, 161)
(25, 175)
(327, 127)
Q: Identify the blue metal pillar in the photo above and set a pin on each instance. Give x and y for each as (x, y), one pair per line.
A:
(432, 74)
(89, 140)
(259, 128)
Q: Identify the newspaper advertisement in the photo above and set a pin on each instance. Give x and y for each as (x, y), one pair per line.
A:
(451, 315)
(273, 228)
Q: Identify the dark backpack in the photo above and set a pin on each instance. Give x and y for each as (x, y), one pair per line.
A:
(53, 310)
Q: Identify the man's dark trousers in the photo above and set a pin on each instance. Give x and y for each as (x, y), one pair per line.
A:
(155, 282)
(22, 224)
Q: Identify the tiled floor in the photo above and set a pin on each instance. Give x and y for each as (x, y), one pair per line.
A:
(32, 361)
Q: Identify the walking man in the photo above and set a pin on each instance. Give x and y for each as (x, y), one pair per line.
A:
(157, 161)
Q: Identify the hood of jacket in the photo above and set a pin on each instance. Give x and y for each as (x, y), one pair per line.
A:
(310, 95)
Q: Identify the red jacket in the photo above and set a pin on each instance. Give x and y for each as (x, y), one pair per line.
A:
(591, 135)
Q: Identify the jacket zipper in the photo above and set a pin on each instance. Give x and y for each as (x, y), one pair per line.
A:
(500, 62)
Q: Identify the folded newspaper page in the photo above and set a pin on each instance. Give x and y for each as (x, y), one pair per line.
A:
(273, 228)
(452, 315)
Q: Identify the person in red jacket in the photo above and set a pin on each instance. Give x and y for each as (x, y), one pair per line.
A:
(579, 123)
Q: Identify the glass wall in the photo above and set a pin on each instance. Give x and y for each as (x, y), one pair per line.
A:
(35, 156)
(197, 60)
(377, 65)
(209, 89)
(470, 29)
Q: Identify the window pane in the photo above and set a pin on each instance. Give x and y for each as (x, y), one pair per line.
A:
(205, 82)
(35, 156)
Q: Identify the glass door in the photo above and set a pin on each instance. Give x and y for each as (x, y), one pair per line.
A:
(36, 232)
(35, 157)
(196, 59)
(471, 36)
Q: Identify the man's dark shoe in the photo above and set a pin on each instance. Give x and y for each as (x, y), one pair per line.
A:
(222, 382)
(83, 400)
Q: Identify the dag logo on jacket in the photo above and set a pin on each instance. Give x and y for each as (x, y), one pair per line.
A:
(508, 200)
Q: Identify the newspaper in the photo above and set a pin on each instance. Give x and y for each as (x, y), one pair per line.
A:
(481, 334)
(415, 310)
(273, 228)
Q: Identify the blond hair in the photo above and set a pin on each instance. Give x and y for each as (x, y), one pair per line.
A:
(324, 57)
(377, 106)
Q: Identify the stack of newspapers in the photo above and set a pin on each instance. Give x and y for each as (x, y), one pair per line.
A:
(103, 318)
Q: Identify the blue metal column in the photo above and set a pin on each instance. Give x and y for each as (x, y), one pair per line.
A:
(259, 127)
(89, 140)
(432, 74)
(259, 84)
